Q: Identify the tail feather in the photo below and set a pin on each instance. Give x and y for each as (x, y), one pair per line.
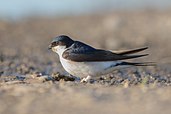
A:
(139, 64)
(125, 52)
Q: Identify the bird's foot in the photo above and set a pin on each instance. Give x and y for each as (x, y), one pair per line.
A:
(86, 79)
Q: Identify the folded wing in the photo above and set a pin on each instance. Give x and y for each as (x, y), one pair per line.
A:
(132, 51)
(100, 55)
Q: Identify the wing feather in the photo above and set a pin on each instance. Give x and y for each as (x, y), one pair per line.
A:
(125, 52)
(80, 52)
(101, 55)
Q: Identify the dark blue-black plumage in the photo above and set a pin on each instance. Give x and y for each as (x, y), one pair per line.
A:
(81, 52)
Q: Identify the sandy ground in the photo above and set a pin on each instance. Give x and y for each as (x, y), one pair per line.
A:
(32, 79)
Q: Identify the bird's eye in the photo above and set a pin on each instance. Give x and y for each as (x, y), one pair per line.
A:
(61, 43)
(54, 44)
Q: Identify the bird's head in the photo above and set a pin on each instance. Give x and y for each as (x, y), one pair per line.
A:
(60, 43)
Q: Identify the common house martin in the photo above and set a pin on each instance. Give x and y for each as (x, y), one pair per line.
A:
(85, 61)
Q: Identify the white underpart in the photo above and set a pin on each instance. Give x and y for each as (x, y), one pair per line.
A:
(84, 69)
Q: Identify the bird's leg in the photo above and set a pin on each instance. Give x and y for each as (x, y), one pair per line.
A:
(86, 79)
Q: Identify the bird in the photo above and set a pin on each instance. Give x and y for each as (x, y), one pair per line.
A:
(84, 61)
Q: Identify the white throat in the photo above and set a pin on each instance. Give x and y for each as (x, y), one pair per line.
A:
(59, 50)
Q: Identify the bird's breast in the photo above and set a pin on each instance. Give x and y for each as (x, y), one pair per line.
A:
(83, 69)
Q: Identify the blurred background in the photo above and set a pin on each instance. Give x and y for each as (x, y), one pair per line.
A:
(28, 26)
(26, 66)
(18, 9)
